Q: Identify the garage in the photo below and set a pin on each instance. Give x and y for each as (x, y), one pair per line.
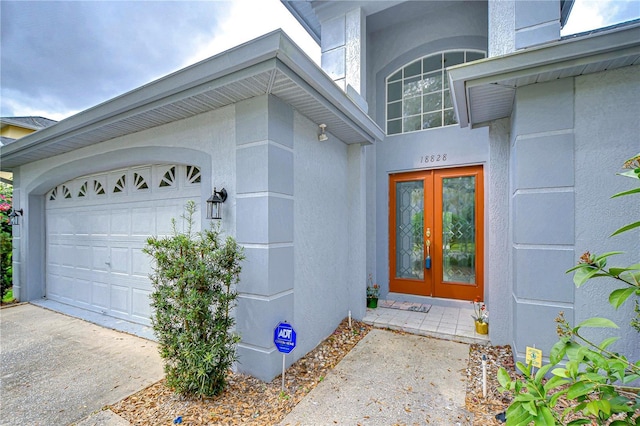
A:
(96, 227)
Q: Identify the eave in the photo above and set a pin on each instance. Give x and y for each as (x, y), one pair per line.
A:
(271, 64)
(484, 90)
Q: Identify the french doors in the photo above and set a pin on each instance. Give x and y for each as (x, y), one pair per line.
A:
(436, 238)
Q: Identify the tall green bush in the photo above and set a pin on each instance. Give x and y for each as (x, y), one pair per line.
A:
(194, 282)
(595, 380)
(6, 244)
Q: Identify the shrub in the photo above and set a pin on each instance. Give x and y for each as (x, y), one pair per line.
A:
(194, 282)
(595, 381)
(6, 241)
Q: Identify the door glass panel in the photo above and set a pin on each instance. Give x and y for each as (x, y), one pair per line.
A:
(458, 230)
(409, 227)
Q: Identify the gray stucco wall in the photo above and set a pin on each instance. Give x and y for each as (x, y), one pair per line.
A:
(536, 22)
(518, 24)
(329, 234)
(606, 133)
(301, 219)
(343, 49)
(498, 262)
(502, 29)
(542, 212)
(265, 223)
(569, 138)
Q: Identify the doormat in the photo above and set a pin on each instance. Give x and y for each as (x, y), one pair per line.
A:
(404, 306)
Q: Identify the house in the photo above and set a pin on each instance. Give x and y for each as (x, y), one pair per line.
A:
(468, 133)
(12, 128)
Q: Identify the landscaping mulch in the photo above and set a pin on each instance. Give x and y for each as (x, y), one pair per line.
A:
(249, 401)
(485, 408)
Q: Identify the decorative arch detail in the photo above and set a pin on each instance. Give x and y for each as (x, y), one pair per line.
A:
(127, 182)
(417, 94)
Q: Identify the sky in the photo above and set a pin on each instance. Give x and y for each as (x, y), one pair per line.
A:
(58, 58)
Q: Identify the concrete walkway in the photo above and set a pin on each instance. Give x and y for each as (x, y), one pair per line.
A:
(56, 370)
(389, 378)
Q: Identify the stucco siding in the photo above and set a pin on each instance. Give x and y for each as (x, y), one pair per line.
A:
(501, 27)
(265, 227)
(498, 263)
(321, 232)
(576, 133)
(607, 130)
(542, 211)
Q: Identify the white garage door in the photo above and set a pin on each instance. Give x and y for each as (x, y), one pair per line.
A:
(96, 228)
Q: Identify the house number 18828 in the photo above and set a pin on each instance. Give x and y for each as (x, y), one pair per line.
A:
(433, 158)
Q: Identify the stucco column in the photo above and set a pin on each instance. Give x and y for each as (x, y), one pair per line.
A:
(542, 159)
(518, 24)
(344, 50)
(264, 227)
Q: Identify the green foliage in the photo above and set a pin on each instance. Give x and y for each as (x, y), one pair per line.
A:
(6, 242)
(8, 297)
(595, 380)
(194, 292)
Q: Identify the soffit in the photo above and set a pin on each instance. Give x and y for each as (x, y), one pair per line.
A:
(485, 90)
(270, 65)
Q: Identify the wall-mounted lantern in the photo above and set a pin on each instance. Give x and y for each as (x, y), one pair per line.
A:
(14, 217)
(214, 204)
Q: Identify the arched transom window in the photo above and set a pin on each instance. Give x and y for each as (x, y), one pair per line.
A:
(418, 94)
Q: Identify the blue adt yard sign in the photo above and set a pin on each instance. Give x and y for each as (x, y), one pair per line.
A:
(284, 337)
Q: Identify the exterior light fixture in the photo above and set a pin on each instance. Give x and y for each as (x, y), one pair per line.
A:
(323, 136)
(14, 217)
(214, 204)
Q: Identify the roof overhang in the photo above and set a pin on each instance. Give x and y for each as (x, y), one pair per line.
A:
(6, 122)
(271, 64)
(484, 90)
(304, 14)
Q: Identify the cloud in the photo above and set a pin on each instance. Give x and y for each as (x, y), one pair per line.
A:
(245, 20)
(588, 15)
(61, 57)
(67, 56)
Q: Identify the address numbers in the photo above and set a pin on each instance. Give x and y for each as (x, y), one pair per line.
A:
(434, 158)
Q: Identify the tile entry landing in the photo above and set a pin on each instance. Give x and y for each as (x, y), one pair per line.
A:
(446, 323)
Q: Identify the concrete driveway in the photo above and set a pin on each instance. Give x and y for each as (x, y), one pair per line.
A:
(55, 369)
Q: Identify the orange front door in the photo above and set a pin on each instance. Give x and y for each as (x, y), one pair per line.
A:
(436, 236)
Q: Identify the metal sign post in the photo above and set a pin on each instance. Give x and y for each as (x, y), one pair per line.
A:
(284, 337)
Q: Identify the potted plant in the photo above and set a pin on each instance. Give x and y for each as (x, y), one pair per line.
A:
(481, 317)
(373, 291)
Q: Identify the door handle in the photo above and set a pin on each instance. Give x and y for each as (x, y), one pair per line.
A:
(427, 260)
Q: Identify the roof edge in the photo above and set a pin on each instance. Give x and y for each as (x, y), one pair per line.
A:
(529, 62)
(302, 10)
(273, 47)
